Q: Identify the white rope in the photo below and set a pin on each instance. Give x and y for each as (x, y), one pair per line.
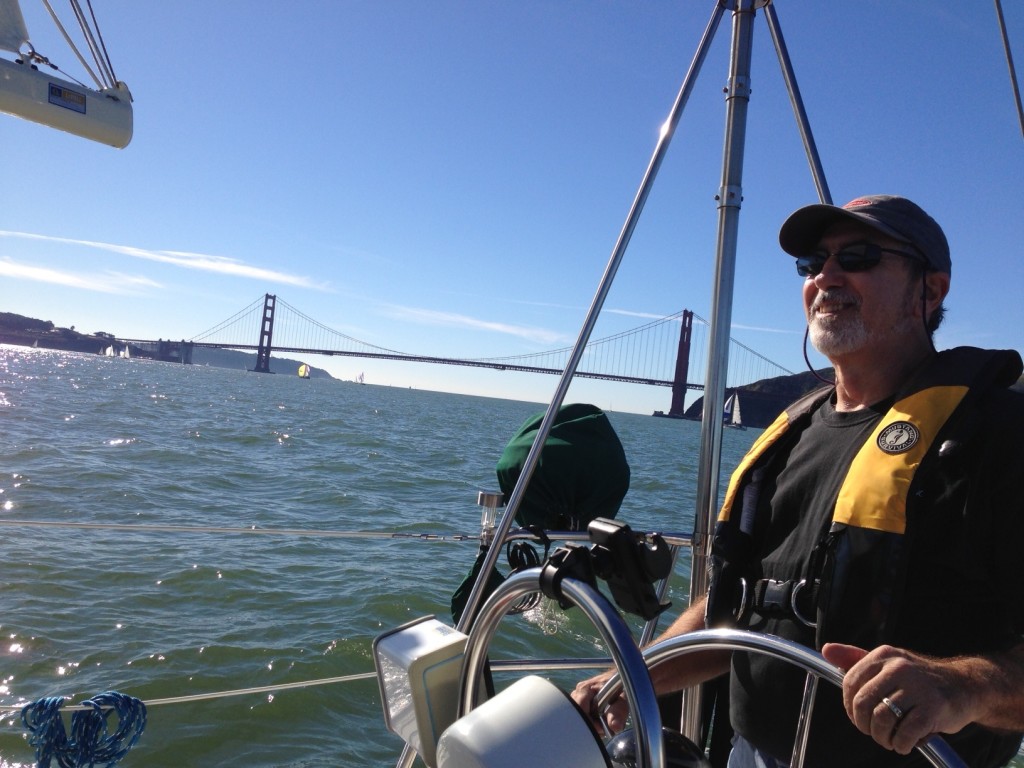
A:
(71, 44)
(223, 694)
(145, 528)
(90, 39)
(673, 538)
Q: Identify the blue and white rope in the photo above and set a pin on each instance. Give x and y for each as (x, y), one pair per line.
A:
(91, 743)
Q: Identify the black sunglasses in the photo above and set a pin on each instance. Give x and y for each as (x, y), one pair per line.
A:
(857, 257)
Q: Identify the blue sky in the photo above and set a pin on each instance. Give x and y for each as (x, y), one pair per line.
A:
(449, 178)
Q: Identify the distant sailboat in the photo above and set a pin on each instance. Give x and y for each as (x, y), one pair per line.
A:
(109, 352)
(731, 415)
(360, 379)
(126, 352)
(303, 371)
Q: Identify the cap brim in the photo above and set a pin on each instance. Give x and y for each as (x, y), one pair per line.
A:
(802, 231)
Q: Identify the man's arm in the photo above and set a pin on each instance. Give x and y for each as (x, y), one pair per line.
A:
(673, 676)
(928, 695)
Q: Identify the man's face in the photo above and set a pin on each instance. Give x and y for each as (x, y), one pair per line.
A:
(851, 313)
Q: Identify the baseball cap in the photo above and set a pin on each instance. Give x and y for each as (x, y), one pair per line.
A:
(894, 216)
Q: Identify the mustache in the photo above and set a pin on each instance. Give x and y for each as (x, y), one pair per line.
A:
(833, 297)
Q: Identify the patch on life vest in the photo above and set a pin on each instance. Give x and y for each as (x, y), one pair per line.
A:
(898, 437)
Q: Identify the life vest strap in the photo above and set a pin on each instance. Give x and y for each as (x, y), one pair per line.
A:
(771, 597)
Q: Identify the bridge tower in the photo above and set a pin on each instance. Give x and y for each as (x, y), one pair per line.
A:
(682, 366)
(266, 334)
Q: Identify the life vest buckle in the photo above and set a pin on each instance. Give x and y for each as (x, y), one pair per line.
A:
(773, 597)
(795, 605)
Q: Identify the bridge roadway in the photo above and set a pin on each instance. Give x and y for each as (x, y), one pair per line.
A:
(499, 366)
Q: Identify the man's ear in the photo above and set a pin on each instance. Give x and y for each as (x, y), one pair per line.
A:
(935, 288)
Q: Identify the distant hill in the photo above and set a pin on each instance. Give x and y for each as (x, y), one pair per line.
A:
(762, 401)
(30, 332)
(230, 358)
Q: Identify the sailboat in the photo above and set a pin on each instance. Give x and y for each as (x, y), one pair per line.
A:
(303, 371)
(102, 114)
(731, 416)
(615, 634)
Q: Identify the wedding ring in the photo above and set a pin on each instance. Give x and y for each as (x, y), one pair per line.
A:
(893, 707)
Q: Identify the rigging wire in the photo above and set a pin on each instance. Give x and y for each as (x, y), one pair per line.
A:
(1009, 63)
(145, 528)
(102, 46)
(71, 44)
(676, 538)
(11, 708)
(90, 40)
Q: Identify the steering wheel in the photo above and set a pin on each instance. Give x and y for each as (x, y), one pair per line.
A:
(628, 661)
(632, 676)
(934, 749)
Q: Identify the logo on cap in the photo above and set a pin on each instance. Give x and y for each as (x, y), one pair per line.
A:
(857, 203)
(898, 437)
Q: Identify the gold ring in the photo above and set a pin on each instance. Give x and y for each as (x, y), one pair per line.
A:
(893, 707)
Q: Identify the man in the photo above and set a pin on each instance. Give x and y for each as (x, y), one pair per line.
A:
(880, 520)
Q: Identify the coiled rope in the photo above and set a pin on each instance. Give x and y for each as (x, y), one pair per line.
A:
(91, 742)
(521, 555)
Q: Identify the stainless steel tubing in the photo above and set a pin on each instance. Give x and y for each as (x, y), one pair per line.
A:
(935, 749)
(618, 252)
(803, 124)
(730, 197)
(628, 660)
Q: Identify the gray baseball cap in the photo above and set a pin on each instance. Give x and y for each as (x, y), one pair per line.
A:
(891, 215)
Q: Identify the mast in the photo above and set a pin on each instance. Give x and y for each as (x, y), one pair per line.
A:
(729, 198)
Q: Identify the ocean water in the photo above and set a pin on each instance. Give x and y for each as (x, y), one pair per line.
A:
(162, 615)
(184, 620)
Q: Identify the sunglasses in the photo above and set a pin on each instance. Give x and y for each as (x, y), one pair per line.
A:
(857, 257)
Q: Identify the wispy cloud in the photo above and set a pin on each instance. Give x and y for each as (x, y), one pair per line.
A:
(108, 282)
(452, 320)
(761, 329)
(196, 261)
(631, 313)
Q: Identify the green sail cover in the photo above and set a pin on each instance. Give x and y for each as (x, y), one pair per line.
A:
(582, 472)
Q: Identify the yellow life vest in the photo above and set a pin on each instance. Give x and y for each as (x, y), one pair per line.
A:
(874, 493)
(870, 515)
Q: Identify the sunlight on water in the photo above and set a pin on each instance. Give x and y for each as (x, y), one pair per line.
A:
(164, 614)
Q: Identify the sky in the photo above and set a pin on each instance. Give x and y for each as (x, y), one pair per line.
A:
(449, 178)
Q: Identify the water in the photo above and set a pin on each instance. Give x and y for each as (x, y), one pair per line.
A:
(159, 615)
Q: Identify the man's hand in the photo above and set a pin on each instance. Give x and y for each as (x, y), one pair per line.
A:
(900, 698)
(616, 714)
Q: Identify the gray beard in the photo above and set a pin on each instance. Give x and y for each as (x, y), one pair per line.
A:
(833, 338)
(837, 337)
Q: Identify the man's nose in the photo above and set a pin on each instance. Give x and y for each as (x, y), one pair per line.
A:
(831, 274)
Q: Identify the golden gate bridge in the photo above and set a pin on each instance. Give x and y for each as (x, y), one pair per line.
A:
(658, 353)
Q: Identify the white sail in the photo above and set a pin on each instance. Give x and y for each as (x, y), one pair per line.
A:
(13, 32)
(731, 412)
